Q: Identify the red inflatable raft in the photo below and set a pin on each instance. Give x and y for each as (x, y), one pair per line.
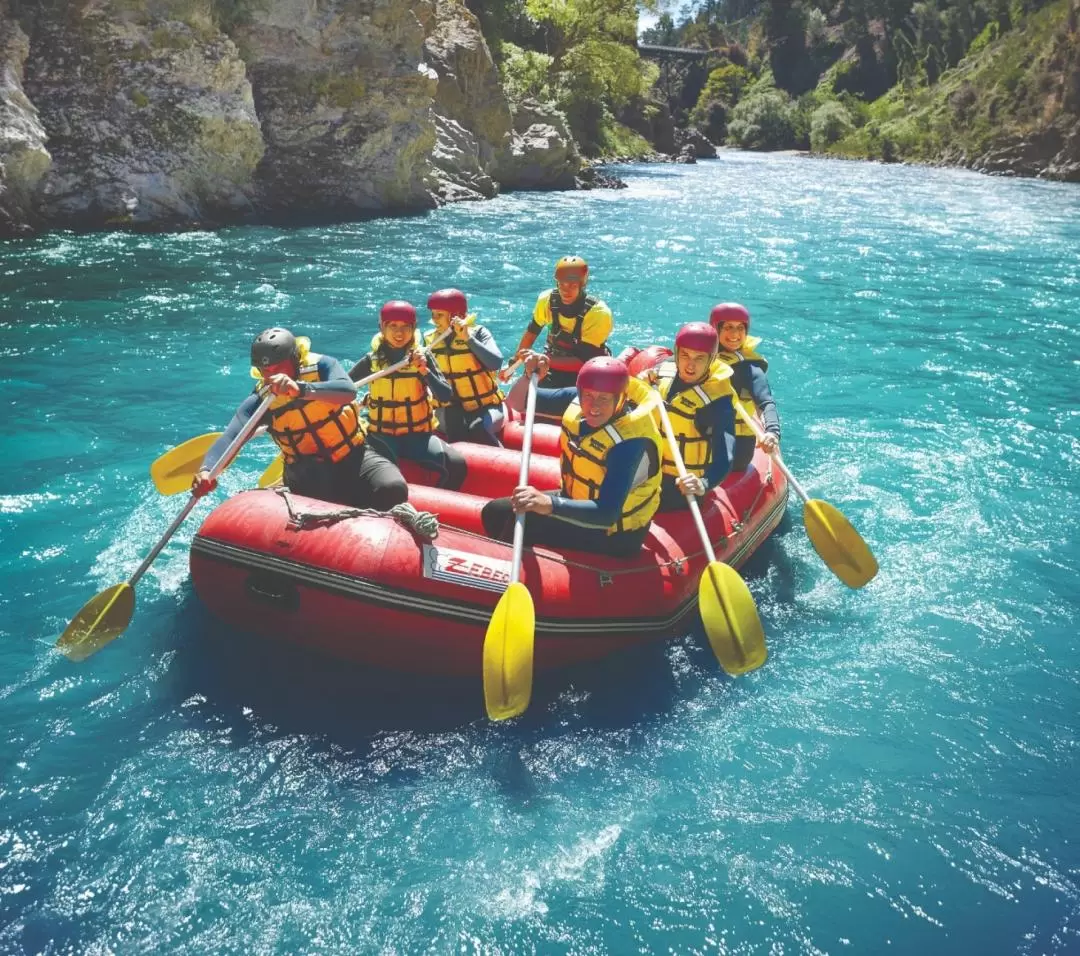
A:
(368, 589)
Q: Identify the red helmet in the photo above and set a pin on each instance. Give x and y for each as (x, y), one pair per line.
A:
(648, 358)
(729, 312)
(397, 310)
(449, 300)
(698, 336)
(569, 266)
(603, 374)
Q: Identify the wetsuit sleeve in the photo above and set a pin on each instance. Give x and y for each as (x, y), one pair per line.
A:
(624, 462)
(541, 312)
(763, 399)
(439, 386)
(718, 419)
(243, 415)
(334, 386)
(482, 345)
(361, 369)
(597, 326)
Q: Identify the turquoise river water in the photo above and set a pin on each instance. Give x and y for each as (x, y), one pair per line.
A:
(900, 777)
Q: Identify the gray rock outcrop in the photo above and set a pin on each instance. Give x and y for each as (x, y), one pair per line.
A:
(542, 153)
(23, 156)
(168, 113)
(150, 121)
(344, 98)
(696, 141)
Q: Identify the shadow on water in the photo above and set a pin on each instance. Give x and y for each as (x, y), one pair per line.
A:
(298, 691)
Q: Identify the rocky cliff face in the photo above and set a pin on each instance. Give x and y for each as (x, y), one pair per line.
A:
(23, 157)
(164, 113)
(150, 120)
(345, 103)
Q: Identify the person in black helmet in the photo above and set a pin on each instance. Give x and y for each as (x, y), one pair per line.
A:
(316, 423)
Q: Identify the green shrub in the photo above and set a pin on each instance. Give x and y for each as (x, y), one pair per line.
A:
(525, 73)
(764, 120)
(829, 123)
(721, 92)
(988, 35)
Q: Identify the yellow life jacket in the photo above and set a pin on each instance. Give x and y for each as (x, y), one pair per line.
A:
(583, 459)
(749, 355)
(320, 430)
(474, 386)
(398, 403)
(695, 448)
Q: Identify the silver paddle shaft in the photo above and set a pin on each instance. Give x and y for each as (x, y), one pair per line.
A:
(680, 467)
(759, 434)
(523, 477)
(222, 463)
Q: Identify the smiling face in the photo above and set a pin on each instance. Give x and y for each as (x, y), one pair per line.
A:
(732, 335)
(440, 318)
(693, 365)
(597, 408)
(397, 334)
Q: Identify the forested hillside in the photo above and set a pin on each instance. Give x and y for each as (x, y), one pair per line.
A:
(994, 84)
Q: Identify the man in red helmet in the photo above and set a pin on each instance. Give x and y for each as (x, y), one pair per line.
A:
(578, 324)
(697, 392)
(748, 379)
(610, 462)
(317, 425)
(469, 359)
(401, 405)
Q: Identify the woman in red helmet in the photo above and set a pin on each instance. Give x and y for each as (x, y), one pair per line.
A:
(469, 360)
(401, 405)
(578, 324)
(748, 379)
(697, 392)
(610, 462)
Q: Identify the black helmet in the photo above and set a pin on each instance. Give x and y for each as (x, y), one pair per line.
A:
(273, 346)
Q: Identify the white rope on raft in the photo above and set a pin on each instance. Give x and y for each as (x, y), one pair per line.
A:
(423, 524)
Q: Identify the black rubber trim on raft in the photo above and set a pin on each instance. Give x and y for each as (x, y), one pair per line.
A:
(347, 585)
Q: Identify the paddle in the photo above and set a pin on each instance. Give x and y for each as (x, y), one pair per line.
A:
(106, 616)
(173, 471)
(727, 607)
(840, 546)
(275, 471)
(508, 643)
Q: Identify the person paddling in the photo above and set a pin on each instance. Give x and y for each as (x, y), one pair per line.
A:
(578, 324)
(401, 405)
(697, 392)
(748, 379)
(468, 359)
(610, 461)
(316, 423)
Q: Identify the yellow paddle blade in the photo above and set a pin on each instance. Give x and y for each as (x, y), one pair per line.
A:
(274, 474)
(508, 654)
(839, 544)
(102, 619)
(173, 471)
(731, 619)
